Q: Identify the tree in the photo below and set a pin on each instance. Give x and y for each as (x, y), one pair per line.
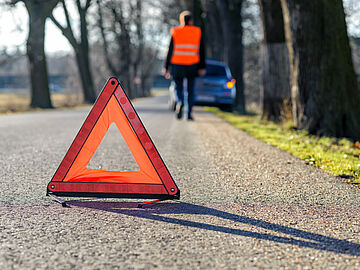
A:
(39, 11)
(325, 95)
(119, 28)
(131, 37)
(136, 9)
(275, 88)
(231, 18)
(80, 46)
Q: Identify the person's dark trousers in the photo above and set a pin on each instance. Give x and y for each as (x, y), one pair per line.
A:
(179, 73)
(179, 88)
(190, 90)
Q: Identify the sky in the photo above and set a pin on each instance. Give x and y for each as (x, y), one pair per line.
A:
(14, 30)
(13, 27)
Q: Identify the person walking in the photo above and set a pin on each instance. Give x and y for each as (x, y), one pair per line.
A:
(185, 59)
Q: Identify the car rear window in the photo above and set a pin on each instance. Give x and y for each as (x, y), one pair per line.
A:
(215, 71)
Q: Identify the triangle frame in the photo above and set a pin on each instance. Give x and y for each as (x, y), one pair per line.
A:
(73, 179)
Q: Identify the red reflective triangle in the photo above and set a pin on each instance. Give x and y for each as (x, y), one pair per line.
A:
(73, 178)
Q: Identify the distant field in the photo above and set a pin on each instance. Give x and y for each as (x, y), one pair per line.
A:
(18, 102)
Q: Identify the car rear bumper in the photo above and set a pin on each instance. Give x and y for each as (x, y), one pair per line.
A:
(214, 98)
(216, 103)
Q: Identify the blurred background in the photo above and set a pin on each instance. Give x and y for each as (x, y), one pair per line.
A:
(60, 52)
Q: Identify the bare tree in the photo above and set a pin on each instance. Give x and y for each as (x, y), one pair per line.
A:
(127, 54)
(39, 11)
(325, 95)
(119, 29)
(136, 10)
(275, 88)
(80, 46)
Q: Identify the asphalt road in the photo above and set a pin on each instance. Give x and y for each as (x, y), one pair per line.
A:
(244, 204)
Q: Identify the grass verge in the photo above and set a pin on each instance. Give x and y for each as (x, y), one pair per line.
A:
(340, 157)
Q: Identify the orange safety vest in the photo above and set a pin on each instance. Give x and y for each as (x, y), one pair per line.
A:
(186, 40)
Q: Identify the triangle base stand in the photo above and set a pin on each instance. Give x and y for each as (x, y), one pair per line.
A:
(58, 200)
(141, 205)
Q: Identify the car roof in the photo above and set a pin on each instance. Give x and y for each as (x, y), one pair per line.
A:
(215, 62)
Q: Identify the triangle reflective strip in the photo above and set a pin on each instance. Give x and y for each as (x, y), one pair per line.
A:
(152, 180)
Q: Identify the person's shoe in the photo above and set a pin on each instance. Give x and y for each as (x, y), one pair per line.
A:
(180, 112)
(190, 118)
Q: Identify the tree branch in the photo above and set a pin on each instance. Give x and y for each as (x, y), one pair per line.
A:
(67, 17)
(51, 5)
(66, 31)
(87, 5)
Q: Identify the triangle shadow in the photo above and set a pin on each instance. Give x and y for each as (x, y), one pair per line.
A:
(157, 212)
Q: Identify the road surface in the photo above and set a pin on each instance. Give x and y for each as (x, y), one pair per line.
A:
(244, 204)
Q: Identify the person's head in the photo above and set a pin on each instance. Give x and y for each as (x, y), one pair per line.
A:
(186, 18)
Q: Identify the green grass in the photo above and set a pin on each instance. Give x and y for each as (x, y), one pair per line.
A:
(340, 157)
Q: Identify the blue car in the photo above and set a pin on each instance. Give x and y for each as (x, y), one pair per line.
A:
(216, 88)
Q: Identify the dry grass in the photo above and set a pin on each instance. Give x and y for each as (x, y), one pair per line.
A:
(19, 102)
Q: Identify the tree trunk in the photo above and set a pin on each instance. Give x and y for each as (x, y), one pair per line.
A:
(83, 64)
(137, 11)
(127, 72)
(83, 60)
(40, 94)
(120, 28)
(81, 48)
(275, 88)
(324, 90)
(231, 17)
(196, 12)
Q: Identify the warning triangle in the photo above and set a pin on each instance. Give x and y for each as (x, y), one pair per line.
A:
(73, 178)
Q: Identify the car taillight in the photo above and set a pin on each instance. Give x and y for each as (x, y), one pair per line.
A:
(230, 84)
